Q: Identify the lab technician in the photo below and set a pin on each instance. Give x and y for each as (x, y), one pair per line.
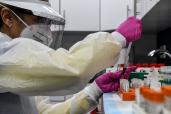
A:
(29, 67)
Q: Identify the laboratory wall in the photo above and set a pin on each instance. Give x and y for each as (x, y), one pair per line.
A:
(141, 48)
(164, 42)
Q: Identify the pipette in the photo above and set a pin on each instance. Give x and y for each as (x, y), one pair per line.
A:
(126, 58)
(130, 44)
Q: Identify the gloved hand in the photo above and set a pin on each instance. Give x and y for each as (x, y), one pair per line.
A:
(131, 29)
(110, 81)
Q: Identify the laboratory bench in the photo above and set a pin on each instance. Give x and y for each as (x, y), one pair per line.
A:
(113, 104)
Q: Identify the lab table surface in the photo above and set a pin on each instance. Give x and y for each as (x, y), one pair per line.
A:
(112, 104)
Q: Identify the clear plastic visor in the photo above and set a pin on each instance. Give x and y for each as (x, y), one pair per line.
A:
(45, 31)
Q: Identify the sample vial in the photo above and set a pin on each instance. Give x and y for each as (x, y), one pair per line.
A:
(167, 95)
(141, 98)
(154, 102)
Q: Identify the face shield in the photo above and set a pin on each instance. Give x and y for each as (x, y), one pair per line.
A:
(45, 31)
(49, 27)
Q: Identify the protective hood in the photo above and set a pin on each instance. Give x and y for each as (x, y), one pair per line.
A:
(38, 8)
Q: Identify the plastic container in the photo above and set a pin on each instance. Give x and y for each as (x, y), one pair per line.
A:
(154, 102)
(154, 78)
(147, 81)
(136, 83)
(165, 82)
(166, 72)
(167, 95)
(141, 99)
(129, 96)
(124, 85)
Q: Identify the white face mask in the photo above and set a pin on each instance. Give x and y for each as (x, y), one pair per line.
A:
(46, 31)
(40, 33)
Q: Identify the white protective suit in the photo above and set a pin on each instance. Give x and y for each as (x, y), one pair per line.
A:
(80, 103)
(31, 68)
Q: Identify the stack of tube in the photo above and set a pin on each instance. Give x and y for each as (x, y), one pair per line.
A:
(154, 102)
(166, 90)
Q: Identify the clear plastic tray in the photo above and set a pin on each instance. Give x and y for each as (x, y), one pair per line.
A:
(165, 70)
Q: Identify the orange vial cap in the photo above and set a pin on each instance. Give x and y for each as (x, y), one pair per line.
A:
(129, 96)
(154, 96)
(166, 90)
(143, 90)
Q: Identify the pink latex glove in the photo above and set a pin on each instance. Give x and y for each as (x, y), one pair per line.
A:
(131, 29)
(110, 81)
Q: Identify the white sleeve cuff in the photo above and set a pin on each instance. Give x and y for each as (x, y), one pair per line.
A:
(93, 91)
(119, 38)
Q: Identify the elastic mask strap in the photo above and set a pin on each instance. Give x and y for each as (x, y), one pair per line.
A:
(15, 15)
